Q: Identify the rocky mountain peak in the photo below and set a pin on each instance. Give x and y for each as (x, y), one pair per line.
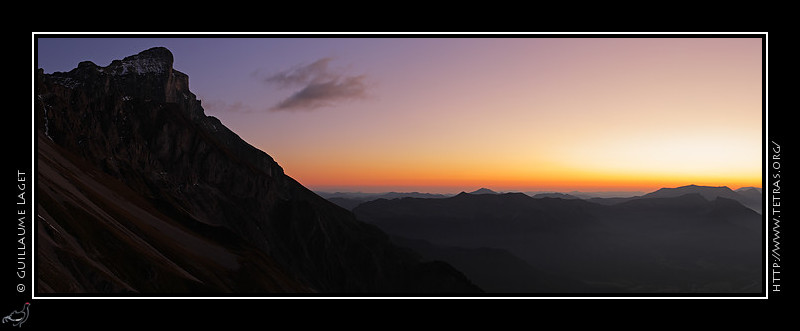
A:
(167, 167)
(154, 60)
(161, 54)
(148, 76)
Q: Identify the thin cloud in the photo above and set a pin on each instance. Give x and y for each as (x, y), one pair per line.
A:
(319, 86)
(224, 107)
(327, 93)
(302, 75)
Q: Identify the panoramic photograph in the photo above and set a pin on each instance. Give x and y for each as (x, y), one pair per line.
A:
(398, 166)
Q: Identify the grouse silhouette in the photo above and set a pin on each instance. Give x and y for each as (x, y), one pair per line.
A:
(18, 316)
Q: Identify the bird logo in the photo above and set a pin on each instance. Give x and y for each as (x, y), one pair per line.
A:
(18, 316)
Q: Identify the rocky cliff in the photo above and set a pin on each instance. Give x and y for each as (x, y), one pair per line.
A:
(130, 169)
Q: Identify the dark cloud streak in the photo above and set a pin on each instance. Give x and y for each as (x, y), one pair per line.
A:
(316, 95)
(319, 86)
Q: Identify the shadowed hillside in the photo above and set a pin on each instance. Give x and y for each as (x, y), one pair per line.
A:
(140, 191)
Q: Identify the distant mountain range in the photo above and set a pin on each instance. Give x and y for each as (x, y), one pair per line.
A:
(554, 195)
(595, 194)
(748, 196)
(662, 242)
(350, 200)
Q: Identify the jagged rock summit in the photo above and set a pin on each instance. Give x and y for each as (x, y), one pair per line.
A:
(148, 75)
(153, 60)
(156, 60)
(140, 191)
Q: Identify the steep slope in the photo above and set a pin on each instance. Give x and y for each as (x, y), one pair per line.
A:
(137, 122)
(346, 203)
(96, 235)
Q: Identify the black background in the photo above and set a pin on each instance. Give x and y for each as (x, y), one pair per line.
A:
(270, 313)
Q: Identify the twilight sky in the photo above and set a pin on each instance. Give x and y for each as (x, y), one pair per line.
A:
(449, 115)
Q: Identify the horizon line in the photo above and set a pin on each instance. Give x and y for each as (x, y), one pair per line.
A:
(365, 189)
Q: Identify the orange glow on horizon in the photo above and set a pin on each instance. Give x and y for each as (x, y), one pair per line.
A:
(455, 182)
(538, 114)
(512, 113)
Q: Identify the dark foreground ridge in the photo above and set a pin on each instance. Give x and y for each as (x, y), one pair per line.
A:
(139, 191)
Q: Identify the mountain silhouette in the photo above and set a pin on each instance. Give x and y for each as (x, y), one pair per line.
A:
(554, 195)
(483, 190)
(750, 197)
(708, 192)
(685, 243)
(748, 188)
(139, 191)
(349, 200)
(747, 197)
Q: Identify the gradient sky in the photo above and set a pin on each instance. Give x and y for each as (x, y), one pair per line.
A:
(455, 114)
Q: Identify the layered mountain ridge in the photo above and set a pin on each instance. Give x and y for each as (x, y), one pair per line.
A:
(129, 168)
(750, 197)
(679, 244)
(747, 196)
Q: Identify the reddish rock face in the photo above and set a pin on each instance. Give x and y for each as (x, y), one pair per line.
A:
(135, 125)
